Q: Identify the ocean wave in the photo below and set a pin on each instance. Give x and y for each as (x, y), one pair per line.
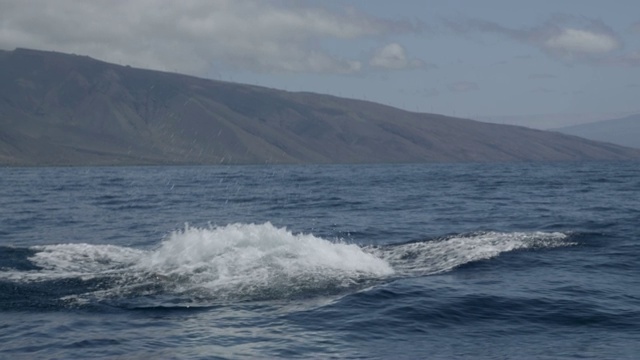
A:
(248, 262)
(440, 255)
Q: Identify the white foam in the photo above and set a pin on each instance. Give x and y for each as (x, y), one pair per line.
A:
(83, 261)
(229, 262)
(249, 259)
(431, 257)
(260, 261)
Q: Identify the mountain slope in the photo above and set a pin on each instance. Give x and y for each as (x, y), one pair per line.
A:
(624, 131)
(60, 109)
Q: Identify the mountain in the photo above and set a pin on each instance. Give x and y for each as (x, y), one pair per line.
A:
(624, 131)
(61, 109)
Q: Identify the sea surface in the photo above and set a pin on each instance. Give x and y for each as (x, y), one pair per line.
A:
(423, 261)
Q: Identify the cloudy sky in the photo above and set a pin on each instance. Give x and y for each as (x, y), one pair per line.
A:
(540, 63)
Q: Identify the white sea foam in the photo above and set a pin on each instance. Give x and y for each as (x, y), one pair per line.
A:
(430, 257)
(259, 261)
(82, 261)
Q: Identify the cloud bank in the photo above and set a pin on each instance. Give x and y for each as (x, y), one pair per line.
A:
(566, 38)
(194, 36)
(581, 41)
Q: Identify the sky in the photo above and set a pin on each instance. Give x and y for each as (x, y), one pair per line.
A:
(541, 64)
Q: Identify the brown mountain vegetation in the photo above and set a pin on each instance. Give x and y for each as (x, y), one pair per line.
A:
(60, 109)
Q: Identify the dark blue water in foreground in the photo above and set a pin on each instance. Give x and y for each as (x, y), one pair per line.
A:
(510, 261)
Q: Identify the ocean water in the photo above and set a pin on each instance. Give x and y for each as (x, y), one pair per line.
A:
(428, 261)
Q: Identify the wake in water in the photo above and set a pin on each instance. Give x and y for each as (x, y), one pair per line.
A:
(242, 262)
(436, 256)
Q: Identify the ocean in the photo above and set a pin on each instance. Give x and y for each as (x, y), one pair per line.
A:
(412, 261)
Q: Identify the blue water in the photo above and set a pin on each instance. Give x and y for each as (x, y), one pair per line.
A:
(508, 261)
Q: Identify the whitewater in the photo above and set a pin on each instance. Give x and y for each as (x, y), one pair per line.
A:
(244, 262)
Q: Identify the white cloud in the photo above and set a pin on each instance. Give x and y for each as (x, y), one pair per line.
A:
(581, 41)
(393, 56)
(564, 37)
(193, 36)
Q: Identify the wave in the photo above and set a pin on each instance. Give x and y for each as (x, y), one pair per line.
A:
(240, 262)
(440, 255)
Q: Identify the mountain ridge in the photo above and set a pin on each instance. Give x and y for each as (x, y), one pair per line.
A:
(61, 109)
(623, 131)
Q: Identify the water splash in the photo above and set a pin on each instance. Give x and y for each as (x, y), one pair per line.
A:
(436, 256)
(248, 261)
(256, 262)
